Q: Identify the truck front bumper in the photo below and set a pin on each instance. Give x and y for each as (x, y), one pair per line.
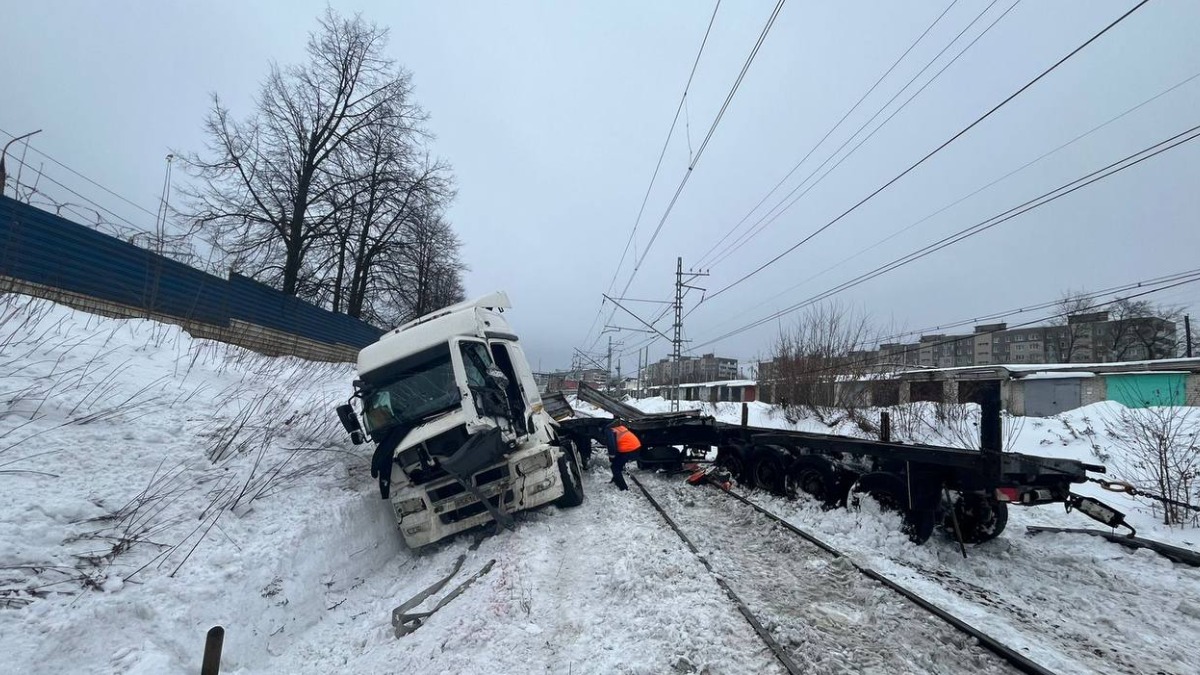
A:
(442, 517)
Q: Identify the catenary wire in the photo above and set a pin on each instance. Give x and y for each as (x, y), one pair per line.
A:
(943, 209)
(658, 165)
(1041, 200)
(700, 150)
(933, 152)
(84, 177)
(1190, 278)
(835, 127)
(771, 216)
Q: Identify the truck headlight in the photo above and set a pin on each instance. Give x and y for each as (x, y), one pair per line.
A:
(408, 506)
(536, 463)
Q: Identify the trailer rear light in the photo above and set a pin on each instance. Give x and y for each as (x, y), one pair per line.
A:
(1008, 494)
(414, 505)
(536, 463)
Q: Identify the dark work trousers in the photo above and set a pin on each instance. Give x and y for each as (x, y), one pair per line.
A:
(618, 467)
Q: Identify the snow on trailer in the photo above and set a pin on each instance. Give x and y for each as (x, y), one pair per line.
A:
(966, 492)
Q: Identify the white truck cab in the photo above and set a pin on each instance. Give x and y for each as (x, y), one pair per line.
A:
(461, 436)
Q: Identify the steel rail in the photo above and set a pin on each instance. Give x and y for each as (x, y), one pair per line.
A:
(1010, 655)
(755, 623)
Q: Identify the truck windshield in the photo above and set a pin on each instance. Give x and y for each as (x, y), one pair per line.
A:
(411, 390)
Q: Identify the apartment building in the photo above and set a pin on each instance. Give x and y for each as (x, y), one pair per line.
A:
(705, 368)
(1086, 338)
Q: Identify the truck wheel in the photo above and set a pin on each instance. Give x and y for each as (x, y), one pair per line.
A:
(889, 490)
(819, 478)
(568, 470)
(980, 518)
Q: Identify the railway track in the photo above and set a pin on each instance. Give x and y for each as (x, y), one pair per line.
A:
(813, 606)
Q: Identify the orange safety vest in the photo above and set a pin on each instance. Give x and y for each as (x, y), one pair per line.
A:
(626, 441)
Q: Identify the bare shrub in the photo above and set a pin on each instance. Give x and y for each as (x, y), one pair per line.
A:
(1156, 450)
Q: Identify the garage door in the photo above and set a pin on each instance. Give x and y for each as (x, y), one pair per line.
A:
(1044, 398)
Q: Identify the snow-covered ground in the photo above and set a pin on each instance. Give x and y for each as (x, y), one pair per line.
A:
(154, 485)
(1073, 603)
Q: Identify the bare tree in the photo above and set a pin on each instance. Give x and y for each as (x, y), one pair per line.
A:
(264, 186)
(1141, 329)
(822, 361)
(1074, 334)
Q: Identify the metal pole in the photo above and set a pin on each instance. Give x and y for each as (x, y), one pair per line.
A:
(1187, 332)
(608, 365)
(4, 153)
(676, 340)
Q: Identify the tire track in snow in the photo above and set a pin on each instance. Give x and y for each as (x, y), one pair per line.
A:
(828, 617)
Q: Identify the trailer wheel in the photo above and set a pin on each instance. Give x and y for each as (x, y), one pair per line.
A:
(732, 460)
(889, 490)
(819, 478)
(980, 518)
(668, 458)
(767, 473)
(568, 470)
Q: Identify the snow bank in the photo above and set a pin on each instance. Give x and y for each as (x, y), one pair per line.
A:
(155, 485)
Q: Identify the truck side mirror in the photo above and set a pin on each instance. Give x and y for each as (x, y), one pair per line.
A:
(350, 423)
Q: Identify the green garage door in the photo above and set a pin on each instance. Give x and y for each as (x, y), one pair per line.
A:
(1140, 390)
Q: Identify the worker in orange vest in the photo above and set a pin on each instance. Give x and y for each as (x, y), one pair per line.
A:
(623, 447)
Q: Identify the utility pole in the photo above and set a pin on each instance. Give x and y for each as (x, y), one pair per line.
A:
(608, 365)
(1187, 332)
(677, 340)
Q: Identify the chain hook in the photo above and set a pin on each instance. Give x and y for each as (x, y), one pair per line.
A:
(1118, 486)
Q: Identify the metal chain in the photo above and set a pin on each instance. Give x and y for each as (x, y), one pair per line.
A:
(1129, 489)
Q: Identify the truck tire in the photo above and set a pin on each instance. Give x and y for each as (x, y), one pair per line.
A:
(980, 517)
(889, 490)
(572, 479)
(819, 478)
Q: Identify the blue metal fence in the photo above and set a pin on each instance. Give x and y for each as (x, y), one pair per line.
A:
(39, 247)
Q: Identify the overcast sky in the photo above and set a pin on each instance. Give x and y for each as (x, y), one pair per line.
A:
(553, 115)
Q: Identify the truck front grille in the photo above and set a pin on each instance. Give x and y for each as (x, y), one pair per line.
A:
(482, 479)
(473, 509)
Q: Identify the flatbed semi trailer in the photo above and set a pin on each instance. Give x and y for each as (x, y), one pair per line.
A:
(967, 492)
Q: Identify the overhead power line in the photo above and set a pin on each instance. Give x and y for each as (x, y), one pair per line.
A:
(982, 226)
(700, 150)
(1026, 309)
(658, 165)
(828, 133)
(931, 153)
(958, 201)
(784, 204)
(704, 144)
(1183, 279)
